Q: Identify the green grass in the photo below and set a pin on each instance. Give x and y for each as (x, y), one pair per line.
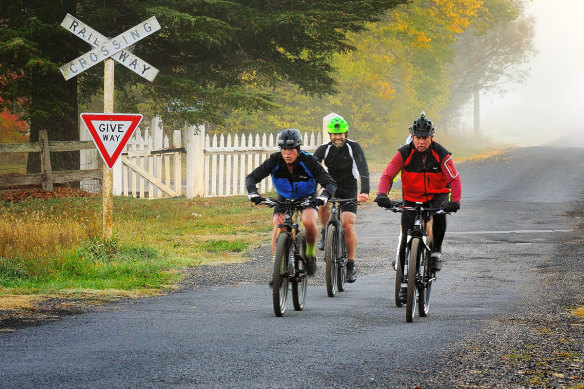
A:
(54, 246)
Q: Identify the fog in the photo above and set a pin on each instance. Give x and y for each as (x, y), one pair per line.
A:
(548, 106)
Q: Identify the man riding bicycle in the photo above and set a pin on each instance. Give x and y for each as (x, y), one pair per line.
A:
(295, 174)
(345, 162)
(428, 175)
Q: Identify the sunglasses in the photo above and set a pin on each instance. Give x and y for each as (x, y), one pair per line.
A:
(289, 143)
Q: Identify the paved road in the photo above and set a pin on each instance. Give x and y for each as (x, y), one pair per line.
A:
(513, 221)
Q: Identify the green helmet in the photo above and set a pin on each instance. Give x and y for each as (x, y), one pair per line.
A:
(338, 126)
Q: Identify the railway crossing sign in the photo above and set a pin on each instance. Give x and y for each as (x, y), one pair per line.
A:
(105, 48)
(110, 132)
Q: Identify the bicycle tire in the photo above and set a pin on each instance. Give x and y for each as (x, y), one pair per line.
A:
(330, 258)
(280, 286)
(412, 293)
(424, 292)
(300, 279)
(341, 263)
(400, 276)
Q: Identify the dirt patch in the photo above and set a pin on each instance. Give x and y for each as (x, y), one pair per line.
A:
(27, 192)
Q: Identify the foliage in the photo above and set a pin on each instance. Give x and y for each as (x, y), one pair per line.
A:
(12, 129)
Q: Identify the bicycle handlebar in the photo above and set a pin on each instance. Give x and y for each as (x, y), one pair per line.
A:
(399, 207)
(343, 201)
(303, 203)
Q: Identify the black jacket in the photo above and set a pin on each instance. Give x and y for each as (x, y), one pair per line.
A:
(345, 164)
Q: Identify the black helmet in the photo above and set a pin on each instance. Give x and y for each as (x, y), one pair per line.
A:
(289, 138)
(422, 126)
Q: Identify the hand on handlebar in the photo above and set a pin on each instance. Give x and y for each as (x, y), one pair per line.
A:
(255, 198)
(383, 201)
(450, 206)
(322, 198)
(362, 197)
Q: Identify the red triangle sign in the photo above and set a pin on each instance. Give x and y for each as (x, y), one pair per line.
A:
(111, 132)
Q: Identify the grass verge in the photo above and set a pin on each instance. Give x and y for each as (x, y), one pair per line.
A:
(53, 247)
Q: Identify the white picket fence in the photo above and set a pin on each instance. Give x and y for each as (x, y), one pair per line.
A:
(221, 162)
(213, 165)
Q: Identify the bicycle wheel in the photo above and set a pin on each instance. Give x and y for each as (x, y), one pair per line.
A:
(330, 255)
(280, 286)
(400, 277)
(412, 294)
(426, 288)
(300, 279)
(341, 263)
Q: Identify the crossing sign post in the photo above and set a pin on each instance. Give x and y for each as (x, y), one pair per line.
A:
(110, 132)
(108, 50)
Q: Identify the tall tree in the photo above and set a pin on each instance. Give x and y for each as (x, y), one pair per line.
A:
(207, 53)
(489, 55)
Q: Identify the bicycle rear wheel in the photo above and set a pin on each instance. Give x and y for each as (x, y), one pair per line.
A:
(299, 280)
(412, 294)
(426, 288)
(280, 286)
(400, 277)
(330, 255)
(341, 263)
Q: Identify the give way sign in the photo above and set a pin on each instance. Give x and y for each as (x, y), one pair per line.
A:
(110, 132)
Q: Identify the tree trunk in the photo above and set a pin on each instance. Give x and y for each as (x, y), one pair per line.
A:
(477, 114)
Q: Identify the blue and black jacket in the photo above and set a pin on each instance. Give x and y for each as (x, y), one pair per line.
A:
(301, 183)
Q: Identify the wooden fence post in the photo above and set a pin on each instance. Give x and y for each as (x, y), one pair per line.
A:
(46, 170)
(190, 156)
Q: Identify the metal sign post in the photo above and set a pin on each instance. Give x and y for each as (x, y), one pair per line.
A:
(107, 50)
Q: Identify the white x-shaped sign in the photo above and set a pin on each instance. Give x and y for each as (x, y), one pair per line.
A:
(105, 48)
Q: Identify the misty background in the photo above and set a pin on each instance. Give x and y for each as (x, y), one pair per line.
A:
(547, 107)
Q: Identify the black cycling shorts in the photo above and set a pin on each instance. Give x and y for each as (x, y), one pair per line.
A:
(343, 193)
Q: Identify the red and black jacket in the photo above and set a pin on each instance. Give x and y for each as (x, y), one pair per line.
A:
(422, 180)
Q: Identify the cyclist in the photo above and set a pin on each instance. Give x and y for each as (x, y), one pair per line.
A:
(428, 175)
(295, 174)
(346, 163)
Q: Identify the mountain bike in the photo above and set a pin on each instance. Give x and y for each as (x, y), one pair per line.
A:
(416, 274)
(290, 260)
(335, 251)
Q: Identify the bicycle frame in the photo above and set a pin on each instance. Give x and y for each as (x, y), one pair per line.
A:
(291, 225)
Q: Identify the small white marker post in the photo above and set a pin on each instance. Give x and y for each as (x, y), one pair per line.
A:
(105, 50)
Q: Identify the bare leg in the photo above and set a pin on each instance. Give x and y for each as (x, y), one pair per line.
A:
(276, 220)
(323, 214)
(348, 220)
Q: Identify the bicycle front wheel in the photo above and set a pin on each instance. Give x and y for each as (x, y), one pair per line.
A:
(330, 255)
(300, 279)
(412, 293)
(280, 286)
(426, 287)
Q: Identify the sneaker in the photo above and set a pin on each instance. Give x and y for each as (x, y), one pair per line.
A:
(310, 266)
(351, 272)
(436, 261)
(320, 243)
